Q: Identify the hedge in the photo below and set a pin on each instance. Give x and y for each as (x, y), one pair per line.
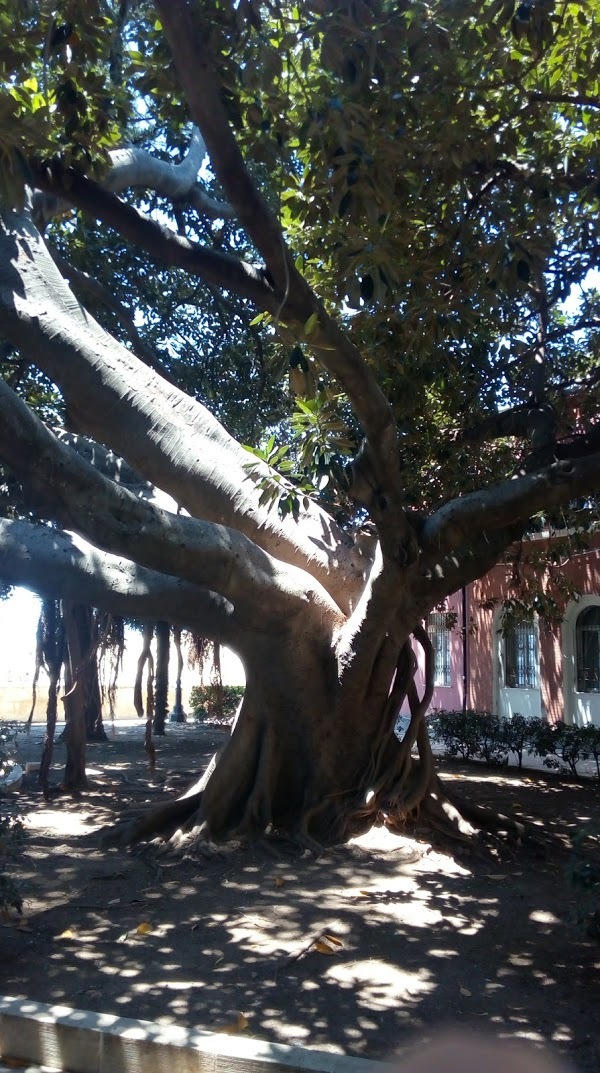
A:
(484, 736)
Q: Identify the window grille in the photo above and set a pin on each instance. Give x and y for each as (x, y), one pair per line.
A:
(439, 635)
(521, 656)
(587, 644)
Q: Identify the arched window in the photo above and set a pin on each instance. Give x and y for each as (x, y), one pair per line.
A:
(439, 635)
(521, 656)
(587, 647)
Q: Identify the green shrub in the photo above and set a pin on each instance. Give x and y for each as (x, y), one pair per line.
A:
(492, 745)
(562, 747)
(458, 731)
(473, 734)
(518, 734)
(215, 703)
(593, 743)
(11, 828)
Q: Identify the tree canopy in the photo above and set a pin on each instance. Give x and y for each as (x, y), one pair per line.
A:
(361, 233)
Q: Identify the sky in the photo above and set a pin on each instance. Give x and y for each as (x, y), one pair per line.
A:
(18, 621)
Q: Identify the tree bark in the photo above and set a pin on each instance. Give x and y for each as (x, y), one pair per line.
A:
(177, 715)
(144, 656)
(75, 778)
(90, 685)
(161, 682)
(52, 653)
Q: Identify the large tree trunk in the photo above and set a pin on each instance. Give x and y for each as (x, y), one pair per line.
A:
(312, 760)
(324, 632)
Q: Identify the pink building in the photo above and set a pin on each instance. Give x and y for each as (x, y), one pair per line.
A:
(534, 668)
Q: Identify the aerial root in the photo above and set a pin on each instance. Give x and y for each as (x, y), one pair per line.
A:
(154, 822)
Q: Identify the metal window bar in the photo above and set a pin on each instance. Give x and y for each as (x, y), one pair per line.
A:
(439, 635)
(587, 638)
(520, 657)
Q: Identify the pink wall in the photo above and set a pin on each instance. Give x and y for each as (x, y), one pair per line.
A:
(451, 696)
(483, 598)
(583, 571)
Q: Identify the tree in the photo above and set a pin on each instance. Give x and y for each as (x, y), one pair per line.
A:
(419, 184)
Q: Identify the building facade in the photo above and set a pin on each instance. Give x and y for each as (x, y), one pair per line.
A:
(532, 668)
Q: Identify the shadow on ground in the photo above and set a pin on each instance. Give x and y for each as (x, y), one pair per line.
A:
(357, 951)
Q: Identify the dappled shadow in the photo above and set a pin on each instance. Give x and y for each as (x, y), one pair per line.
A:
(356, 951)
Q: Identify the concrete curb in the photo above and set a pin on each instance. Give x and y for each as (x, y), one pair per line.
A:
(84, 1042)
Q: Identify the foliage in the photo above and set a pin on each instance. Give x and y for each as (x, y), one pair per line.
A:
(469, 734)
(484, 736)
(433, 167)
(11, 829)
(517, 735)
(215, 703)
(563, 747)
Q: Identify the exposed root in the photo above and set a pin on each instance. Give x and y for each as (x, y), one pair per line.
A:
(162, 821)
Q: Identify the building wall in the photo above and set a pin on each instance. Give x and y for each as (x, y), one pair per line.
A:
(486, 688)
(449, 697)
(583, 571)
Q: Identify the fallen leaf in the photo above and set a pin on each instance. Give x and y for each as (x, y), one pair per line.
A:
(324, 947)
(68, 933)
(239, 1025)
(465, 991)
(365, 893)
(333, 939)
(279, 882)
(144, 928)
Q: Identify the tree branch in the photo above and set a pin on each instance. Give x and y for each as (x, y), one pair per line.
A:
(98, 291)
(297, 301)
(506, 504)
(64, 484)
(132, 167)
(158, 240)
(167, 437)
(60, 566)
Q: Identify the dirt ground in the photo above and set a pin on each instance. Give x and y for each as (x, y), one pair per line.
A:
(361, 951)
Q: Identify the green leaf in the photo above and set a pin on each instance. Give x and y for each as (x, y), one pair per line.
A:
(311, 324)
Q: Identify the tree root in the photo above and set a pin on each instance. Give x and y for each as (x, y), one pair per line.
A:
(153, 822)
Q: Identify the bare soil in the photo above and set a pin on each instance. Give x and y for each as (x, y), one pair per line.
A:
(359, 951)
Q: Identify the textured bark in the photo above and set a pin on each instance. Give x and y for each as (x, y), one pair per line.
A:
(161, 680)
(144, 656)
(51, 652)
(324, 629)
(90, 685)
(75, 778)
(166, 436)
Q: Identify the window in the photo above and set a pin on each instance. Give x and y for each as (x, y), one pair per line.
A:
(587, 646)
(439, 635)
(520, 656)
